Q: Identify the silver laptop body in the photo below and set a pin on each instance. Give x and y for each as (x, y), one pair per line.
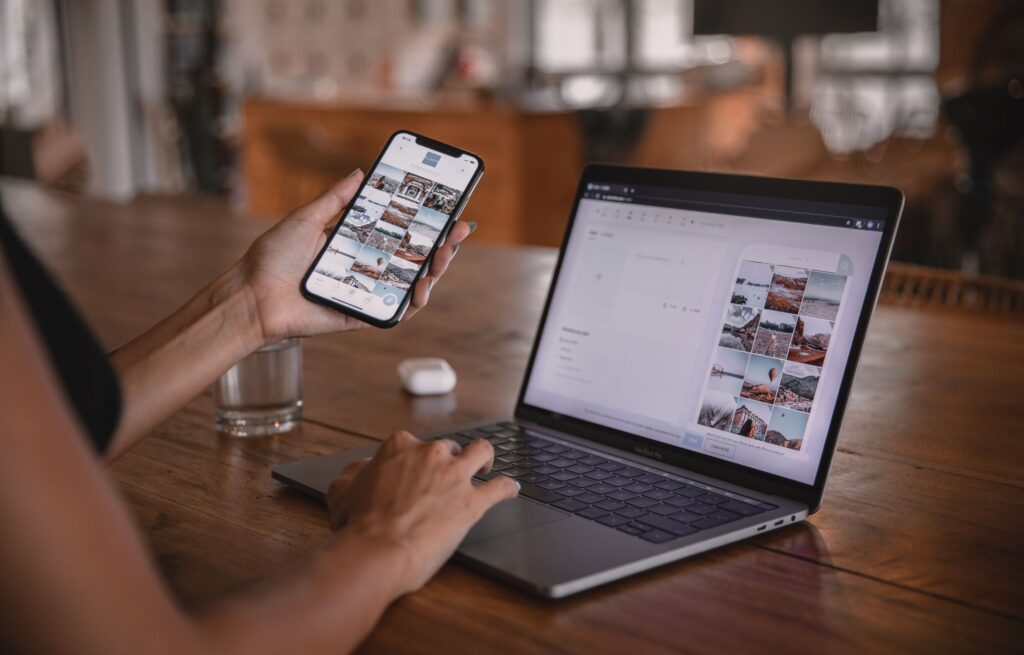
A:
(689, 375)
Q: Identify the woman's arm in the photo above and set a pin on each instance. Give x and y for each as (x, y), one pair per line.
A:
(255, 303)
(75, 577)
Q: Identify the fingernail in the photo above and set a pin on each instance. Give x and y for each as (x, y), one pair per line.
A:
(430, 285)
(355, 172)
(455, 247)
(519, 486)
(472, 226)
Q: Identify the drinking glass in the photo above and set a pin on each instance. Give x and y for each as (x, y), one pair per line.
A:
(262, 394)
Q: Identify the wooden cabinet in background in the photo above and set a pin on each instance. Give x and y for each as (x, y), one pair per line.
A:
(292, 151)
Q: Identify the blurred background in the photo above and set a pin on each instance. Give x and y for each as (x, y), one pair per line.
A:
(259, 104)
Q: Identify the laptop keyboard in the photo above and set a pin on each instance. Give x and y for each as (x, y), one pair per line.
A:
(656, 507)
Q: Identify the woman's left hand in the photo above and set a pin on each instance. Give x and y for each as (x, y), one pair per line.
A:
(273, 267)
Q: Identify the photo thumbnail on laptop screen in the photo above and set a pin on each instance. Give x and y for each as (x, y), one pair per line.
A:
(385, 238)
(712, 322)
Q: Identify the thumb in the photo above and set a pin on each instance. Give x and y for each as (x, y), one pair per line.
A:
(324, 208)
(496, 490)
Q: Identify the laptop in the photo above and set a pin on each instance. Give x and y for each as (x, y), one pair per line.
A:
(687, 382)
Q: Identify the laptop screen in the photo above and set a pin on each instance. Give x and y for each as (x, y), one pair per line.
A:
(712, 322)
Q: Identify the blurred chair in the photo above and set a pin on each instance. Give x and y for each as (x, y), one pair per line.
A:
(924, 286)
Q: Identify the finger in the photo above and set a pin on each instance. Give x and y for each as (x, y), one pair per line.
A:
(452, 445)
(443, 257)
(348, 474)
(397, 442)
(340, 484)
(439, 263)
(458, 233)
(421, 294)
(325, 208)
(477, 457)
(337, 500)
(496, 490)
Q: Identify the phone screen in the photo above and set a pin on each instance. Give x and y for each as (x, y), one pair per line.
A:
(386, 237)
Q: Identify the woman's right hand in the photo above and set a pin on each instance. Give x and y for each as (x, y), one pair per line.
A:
(417, 496)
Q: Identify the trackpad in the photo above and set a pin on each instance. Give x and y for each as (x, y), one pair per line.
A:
(512, 516)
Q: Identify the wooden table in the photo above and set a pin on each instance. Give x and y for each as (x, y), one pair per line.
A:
(919, 545)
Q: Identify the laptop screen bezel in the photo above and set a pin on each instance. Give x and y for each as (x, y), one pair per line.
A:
(888, 199)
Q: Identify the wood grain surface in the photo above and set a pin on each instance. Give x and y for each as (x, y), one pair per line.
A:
(919, 545)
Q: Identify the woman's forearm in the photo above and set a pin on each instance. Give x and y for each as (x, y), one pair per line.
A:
(172, 362)
(329, 606)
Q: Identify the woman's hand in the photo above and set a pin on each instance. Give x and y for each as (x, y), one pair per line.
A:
(274, 265)
(418, 497)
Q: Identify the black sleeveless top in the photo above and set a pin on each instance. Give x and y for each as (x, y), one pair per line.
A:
(79, 362)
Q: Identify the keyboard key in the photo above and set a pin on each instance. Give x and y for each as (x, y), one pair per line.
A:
(629, 472)
(543, 457)
(649, 478)
(712, 499)
(637, 488)
(551, 484)
(657, 536)
(741, 508)
(510, 458)
(621, 494)
(461, 439)
(564, 476)
(590, 497)
(685, 517)
(601, 488)
(580, 469)
(630, 512)
(701, 508)
(592, 513)
(592, 460)
(609, 505)
(631, 529)
(534, 478)
(583, 482)
(690, 492)
(570, 491)
(616, 481)
(505, 447)
(613, 520)
(538, 494)
(664, 510)
(715, 520)
(641, 502)
(491, 428)
(545, 469)
(516, 472)
(668, 525)
(556, 449)
(561, 462)
(658, 494)
(610, 466)
(501, 466)
(680, 501)
(570, 505)
(574, 454)
(670, 485)
(598, 475)
(506, 433)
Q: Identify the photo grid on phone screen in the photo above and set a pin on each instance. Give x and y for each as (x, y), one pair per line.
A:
(387, 234)
(773, 343)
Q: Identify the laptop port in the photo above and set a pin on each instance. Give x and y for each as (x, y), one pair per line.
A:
(762, 527)
(779, 522)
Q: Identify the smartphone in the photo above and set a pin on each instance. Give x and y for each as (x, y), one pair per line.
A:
(388, 234)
